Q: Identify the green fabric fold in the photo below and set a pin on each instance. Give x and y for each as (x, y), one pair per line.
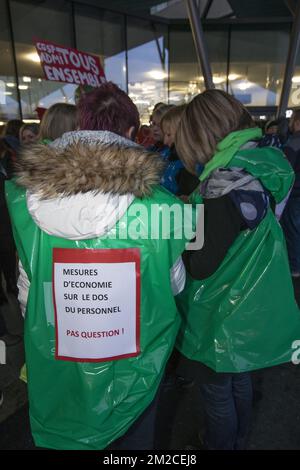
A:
(227, 148)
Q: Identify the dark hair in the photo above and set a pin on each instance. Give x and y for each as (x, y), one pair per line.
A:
(13, 127)
(296, 114)
(108, 108)
(272, 123)
(32, 127)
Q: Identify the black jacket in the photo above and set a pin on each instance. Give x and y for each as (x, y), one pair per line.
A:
(222, 225)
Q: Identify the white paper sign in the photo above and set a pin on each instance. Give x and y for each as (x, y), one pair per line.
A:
(96, 300)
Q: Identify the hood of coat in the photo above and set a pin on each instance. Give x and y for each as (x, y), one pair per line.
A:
(83, 183)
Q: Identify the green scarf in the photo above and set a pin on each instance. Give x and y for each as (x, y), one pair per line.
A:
(228, 147)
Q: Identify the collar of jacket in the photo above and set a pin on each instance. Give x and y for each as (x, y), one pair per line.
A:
(88, 161)
(227, 148)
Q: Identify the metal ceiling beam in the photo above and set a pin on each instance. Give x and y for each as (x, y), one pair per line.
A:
(291, 6)
(290, 64)
(207, 8)
(199, 41)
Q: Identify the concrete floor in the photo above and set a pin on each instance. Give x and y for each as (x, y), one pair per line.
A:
(276, 414)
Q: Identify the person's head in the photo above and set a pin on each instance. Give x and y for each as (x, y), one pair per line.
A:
(82, 90)
(13, 128)
(159, 110)
(108, 108)
(169, 123)
(144, 136)
(295, 121)
(271, 127)
(58, 119)
(29, 133)
(207, 120)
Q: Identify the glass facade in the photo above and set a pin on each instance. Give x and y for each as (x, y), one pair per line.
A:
(153, 61)
(102, 33)
(186, 79)
(51, 21)
(257, 63)
(9, 106)
(147, 65)
(247, 61)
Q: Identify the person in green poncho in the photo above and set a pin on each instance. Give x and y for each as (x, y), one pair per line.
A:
(238, 307)
(88, 203)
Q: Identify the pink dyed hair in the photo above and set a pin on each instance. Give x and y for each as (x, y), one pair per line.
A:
(108, 108)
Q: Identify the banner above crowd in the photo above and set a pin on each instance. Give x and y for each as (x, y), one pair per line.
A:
(63, 64)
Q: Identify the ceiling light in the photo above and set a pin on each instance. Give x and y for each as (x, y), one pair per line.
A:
(23, 87)
(176, 98)
(26, 79)
(217, 80)
(10, 85)
(244, 85)
(142, 102)
(233, 76)
(157, 74)
(296, 79)
(33, 56)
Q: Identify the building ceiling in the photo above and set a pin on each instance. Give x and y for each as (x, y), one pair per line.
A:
(210, 9)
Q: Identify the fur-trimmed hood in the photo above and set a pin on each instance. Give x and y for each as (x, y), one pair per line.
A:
(86, 161)
(82, 184)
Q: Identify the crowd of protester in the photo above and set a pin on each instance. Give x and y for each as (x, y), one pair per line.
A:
(70, 181)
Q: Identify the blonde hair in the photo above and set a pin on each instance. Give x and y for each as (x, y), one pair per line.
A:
(58, 119)
(208, 119)
(161, 109)
(171, 118)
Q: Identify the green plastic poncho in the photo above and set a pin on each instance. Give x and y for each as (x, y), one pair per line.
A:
(87, 405)
(244, 316)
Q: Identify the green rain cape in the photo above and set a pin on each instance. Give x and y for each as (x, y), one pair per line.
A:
(244, 316)
(87, 405)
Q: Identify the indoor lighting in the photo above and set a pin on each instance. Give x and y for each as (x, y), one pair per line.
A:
(26, 79)
(157, 74)
(296, 79)
(217, 80)
(244, 85)
(30, 121)
(23, 87)
(8, 93)
(33, 56)
(233, 76)
(138, 101)
(262, 118)
(288, 113)
(10, 85)
(2, 123)
(176, 98)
